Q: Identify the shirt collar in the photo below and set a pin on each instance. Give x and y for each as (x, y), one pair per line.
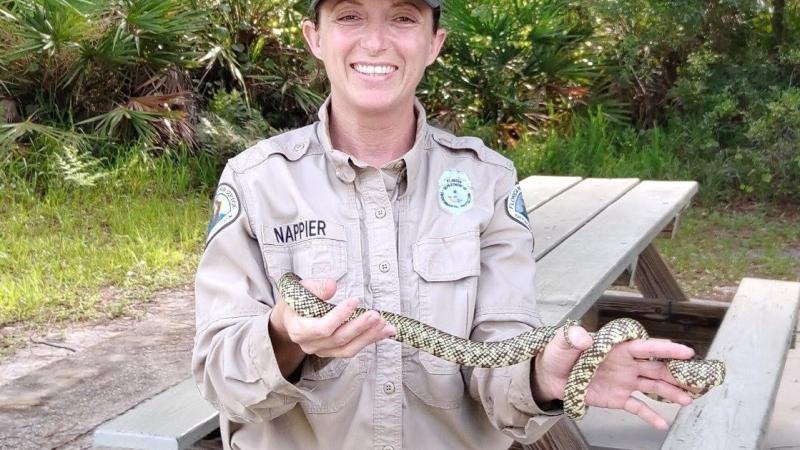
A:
(344, 162)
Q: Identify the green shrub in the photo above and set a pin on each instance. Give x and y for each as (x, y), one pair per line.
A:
(508, 67)
(595, 147)
(230, 126)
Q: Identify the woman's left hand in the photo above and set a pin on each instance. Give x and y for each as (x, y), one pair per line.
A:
(626, 369)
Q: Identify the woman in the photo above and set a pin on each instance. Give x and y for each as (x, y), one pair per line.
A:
(375, 208)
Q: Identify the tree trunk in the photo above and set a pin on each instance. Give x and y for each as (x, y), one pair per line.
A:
(778, 8)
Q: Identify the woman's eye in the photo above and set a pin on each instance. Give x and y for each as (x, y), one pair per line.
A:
(405, 19)
(348, 18)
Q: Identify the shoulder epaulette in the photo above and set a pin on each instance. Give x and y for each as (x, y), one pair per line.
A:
(292, 145)
(474, 144)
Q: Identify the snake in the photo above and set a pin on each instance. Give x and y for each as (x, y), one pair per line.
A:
(698, 375)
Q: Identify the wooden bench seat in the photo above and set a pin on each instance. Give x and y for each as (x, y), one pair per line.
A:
(752, 340)
(175, 419)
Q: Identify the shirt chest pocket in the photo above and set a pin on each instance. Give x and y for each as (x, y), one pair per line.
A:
(321, 257)
(311, 258)
(448, 270)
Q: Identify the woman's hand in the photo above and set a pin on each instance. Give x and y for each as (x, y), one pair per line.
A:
(626, 369)
(330, 335)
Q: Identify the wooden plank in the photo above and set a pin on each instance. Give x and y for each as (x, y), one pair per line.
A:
(574, 274)
(655, 279)
(634, 305)
(537, 190)
(557, 219)
(752, 340)
(172, 420)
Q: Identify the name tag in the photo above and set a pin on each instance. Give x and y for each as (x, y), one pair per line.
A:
(302, 230)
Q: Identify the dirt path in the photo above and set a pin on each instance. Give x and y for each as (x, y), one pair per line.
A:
(54, 398)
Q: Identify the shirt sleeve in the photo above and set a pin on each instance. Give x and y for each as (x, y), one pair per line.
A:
(233, 361)
(506, 307)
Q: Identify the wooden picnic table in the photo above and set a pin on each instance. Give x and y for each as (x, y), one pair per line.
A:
(588, 234)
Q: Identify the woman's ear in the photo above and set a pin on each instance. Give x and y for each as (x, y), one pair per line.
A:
(436, 45)
(311, 34)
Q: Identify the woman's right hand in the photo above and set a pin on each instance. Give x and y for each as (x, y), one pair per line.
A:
(330, 335)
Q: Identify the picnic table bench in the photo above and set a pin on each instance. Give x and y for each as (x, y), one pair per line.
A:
(591, 234)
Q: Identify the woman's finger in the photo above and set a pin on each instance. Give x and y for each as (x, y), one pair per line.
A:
(311, 328)
(639, 408)
(351, 330)
(656, 370)
(657, 348)
(374, 334)
(664, 390)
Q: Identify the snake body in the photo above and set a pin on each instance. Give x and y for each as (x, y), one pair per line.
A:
(697, 374)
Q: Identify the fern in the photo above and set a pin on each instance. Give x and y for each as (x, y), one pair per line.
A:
(77, 168)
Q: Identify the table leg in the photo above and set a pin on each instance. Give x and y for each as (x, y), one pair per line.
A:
(654, 279)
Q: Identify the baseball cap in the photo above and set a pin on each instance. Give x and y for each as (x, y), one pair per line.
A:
(432, 3)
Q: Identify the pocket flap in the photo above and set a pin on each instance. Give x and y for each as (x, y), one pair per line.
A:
(448, 258)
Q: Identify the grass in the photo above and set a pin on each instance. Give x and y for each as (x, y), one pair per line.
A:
(65, 251)
(717, 247)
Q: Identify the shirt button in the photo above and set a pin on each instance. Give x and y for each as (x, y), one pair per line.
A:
(380, 213)
(388, 447)
(384, 267)
(388, 388)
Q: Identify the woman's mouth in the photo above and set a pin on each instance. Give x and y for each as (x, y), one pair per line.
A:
(374, 69)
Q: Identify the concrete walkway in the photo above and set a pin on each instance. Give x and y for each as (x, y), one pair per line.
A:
(59, 405)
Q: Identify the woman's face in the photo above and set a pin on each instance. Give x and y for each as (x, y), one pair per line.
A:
(375, 51)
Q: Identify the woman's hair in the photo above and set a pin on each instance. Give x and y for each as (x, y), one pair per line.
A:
(437, 14)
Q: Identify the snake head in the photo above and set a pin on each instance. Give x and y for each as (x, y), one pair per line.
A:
(702, 375)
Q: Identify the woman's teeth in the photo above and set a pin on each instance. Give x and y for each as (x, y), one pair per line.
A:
(373, 70)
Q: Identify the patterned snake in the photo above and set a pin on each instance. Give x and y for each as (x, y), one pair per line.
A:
(697, 374)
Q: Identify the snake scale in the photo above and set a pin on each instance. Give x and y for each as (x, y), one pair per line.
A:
(697, 374)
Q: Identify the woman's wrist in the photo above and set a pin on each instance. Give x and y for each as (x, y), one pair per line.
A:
(543, 386)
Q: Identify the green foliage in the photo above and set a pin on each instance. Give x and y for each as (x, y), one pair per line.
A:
(704, 90)
(509, 65)
(596, 147)
(230, 126)
(257, 48)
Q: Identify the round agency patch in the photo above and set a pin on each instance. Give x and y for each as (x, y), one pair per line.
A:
(515, 207)
(224, 211)
(455, 191)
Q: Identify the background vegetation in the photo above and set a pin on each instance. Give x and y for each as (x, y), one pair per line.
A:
(116, 115)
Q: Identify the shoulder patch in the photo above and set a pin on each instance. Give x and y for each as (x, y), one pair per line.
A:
(224, 211)
(515, 207)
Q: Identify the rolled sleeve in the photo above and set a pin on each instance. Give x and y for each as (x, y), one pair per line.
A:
(233, 361)
(506, 307)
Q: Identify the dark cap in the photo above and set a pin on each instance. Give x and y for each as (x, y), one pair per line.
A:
(432, 3)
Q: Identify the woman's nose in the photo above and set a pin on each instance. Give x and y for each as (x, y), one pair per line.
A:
(374, 38)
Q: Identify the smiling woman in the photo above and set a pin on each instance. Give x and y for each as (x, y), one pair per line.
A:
(375, 54)
(407, 219)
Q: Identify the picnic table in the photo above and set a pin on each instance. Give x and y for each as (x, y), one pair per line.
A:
(589, 234)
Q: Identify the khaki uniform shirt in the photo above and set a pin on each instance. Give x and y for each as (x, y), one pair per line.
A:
(448, 243)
